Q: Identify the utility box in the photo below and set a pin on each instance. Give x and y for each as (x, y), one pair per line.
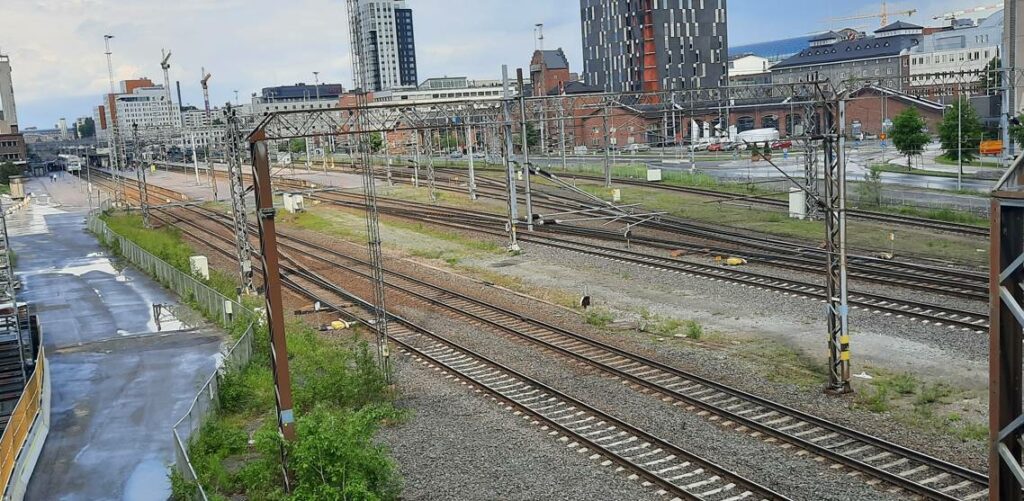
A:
(653, 175)
(616, 195)
(200, 266)
(294, 203)
(797, 203)
(18, 187)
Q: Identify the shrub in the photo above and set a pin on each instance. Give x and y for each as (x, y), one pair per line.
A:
(335, 457)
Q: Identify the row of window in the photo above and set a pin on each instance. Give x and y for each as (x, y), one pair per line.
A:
(977, 55)
(9, 144)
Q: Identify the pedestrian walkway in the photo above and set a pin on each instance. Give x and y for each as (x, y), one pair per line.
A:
(118, 384)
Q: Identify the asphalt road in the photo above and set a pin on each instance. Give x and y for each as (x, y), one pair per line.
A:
(118, 385)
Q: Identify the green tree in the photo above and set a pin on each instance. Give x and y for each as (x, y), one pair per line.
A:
(376, 142)
(960, 131)
(297, 145)
(532, 135)
(870, 190)
(1017, 132)
(908, 136)
(991, 80)
(8, 169)
(87, 128)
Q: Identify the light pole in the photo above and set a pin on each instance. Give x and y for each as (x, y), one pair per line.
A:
(959, 142)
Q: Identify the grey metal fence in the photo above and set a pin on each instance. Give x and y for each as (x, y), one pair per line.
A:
(216, 306)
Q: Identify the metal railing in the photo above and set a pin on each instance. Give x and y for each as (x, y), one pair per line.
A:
(216, 306)
(12, 443)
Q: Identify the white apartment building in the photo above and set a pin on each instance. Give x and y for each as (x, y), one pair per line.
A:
(382, 43)
(941, 57)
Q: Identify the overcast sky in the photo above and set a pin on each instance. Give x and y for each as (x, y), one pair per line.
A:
(56, 46)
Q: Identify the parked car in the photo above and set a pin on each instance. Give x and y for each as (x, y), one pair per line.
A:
(782, 145)
(637, 147)
(715, 147)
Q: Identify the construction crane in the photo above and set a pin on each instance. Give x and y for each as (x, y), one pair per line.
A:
(165, 65)
(206, 90)
(883, 15)
(953, 16)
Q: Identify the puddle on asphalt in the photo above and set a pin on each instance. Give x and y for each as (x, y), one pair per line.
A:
(148, 481)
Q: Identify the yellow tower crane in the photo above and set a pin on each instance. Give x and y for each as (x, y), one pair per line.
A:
(883, 15)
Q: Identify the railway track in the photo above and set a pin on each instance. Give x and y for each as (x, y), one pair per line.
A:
(908, 469)
(926, 313)
(770, 250)
(950, 282)
(919, 222)
(585, 428)
(901, 308)
(926, 277)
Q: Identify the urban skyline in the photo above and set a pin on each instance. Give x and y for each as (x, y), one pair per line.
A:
(80, 76)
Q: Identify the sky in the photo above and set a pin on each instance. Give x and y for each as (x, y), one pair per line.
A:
(59, 66)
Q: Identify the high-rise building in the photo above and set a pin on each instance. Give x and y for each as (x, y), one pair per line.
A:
(650, 45)
(383, 44)
(8, 110)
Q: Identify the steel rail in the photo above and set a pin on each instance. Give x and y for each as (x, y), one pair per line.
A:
(663, 463)
(826, 438)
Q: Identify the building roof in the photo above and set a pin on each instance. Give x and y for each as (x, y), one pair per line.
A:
(575, 88)
(899, 25)
(846, 50)
(828, 35)
(555, 59)
(773, 50)
(902, 96)
(302, 91)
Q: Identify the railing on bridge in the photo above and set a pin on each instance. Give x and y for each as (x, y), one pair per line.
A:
(216, 306)
(30, 418)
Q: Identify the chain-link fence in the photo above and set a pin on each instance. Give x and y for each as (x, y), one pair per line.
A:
(227, 312)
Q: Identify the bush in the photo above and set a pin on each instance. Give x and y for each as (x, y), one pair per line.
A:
(335, 457)
(599, 317)
(694, 330)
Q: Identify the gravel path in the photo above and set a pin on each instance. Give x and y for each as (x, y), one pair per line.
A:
(458, 444)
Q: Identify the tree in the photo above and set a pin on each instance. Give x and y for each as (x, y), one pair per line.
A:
(870, 190)
(1017, 132)
(8, 169)
(908, 136)
(532, 135)
(87, 128)
(960, 131)
(217, 121)
(992, 79)
(297, 145)
(376, 142)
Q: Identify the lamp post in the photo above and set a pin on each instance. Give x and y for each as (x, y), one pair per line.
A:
(959, 142)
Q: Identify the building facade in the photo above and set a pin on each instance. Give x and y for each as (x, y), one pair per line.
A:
(650, 45)
(8, 109)
(881, 59)
(953, 60)
(749, 69)
(549, 72)
(296, 97)
(382, 40)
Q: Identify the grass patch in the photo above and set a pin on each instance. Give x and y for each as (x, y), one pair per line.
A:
(341, 400)
(919, 405)
(598, 317)
(865, 236)
(920, 172)
(994, 163)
